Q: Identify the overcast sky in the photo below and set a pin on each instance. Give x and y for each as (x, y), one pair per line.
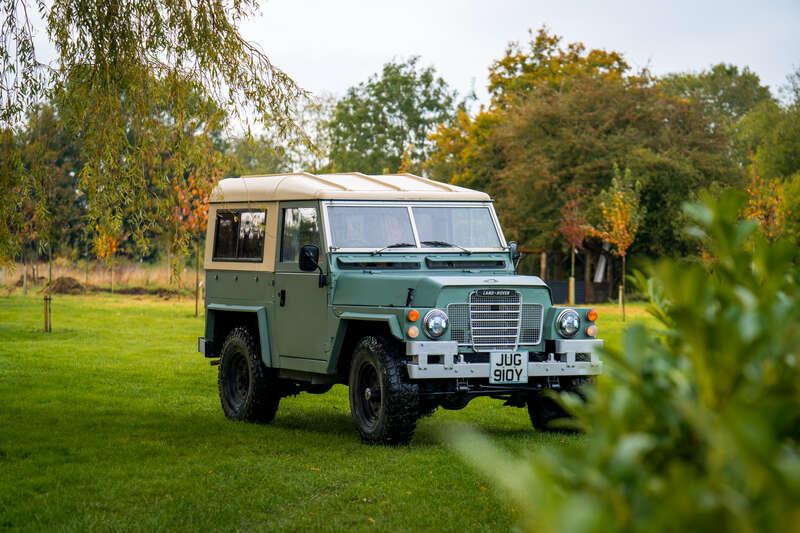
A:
(327, 46)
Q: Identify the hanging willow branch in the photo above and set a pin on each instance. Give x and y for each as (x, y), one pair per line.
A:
(128, 73)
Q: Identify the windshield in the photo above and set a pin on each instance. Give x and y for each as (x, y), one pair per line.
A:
(390, 226)
(470, 227)
(369, 227)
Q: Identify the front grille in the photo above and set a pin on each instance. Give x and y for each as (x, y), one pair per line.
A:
(495, 320)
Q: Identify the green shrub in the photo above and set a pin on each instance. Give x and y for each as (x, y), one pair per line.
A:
(695, 425)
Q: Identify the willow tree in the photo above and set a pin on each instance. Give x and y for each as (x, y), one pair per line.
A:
(11, 171)
(117, 64)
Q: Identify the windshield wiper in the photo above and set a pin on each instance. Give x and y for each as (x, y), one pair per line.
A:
(442, 244)
(395, 245)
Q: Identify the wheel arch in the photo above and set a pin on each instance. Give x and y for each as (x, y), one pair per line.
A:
(352, 328)
(222, 318)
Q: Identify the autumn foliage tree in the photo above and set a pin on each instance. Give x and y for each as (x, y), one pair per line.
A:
(574, 227)
(11, 171)
(765, 204)
(620, 217)
(194, 166)
(191, 213)
(106, 244)
(560, 116)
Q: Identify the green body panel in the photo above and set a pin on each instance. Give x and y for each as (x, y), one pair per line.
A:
(305, 321)
(260, 313)
(390, 289)
(305, 314)
(391, 317)
(239, 286)
(345, 316)
(549, 330)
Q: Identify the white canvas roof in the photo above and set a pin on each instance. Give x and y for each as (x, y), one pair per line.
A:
(342, 186)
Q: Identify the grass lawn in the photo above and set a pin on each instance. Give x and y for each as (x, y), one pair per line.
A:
(112, 421)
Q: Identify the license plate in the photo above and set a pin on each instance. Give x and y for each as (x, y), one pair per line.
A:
(508, 367)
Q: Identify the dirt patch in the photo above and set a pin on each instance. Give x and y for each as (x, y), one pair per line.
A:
(39, 280)
(65, 285)
(152, 291)
(128, 290)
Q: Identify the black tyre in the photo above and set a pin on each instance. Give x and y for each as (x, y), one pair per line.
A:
(543, 411)
(427, 408)
(247, 389)
(383, 401)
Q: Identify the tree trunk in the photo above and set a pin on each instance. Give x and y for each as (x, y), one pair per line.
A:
(622, 297)
(543, 265)
(558, 273)
(610, 277)
(86, 272)
(572, 266)
(571, 294)
(24, 274)
(197, 278)
(47, 313)
(112, 277)
(49, 265)
(588, 288)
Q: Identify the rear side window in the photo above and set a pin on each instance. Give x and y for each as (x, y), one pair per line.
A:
(239, 235)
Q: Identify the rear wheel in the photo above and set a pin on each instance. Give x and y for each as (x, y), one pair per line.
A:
(248, 391)
(383, 401)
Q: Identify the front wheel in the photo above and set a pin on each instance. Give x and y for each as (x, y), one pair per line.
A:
(543, 411)
(383, 402)
(247, 390)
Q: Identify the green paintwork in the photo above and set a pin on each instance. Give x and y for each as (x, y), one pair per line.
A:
(261, 320)
(308, 330)
(390, 319)
(550, 331)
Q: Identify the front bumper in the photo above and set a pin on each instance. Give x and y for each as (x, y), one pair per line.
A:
(449, 364)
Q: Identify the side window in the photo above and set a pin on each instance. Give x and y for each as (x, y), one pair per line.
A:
(300, 227)
(225, 235)
(239, 236)
(251, 235)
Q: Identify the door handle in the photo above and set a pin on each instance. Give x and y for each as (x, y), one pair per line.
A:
(282, 296)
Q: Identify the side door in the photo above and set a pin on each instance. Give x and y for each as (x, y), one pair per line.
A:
(301, 305)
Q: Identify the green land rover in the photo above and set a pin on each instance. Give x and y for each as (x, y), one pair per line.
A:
(400, 287)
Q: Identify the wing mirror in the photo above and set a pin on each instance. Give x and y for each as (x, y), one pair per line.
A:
(309, 262)
(516, 255)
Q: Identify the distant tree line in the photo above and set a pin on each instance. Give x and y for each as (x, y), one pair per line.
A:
(561, 123)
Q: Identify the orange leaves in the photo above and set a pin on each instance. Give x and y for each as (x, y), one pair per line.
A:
(620, 211)
(106, 245)
(573, 226)
(545, 63)
(191, 204)
(618, 226)
(765, 204)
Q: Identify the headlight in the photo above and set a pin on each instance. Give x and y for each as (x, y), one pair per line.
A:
(568, 323)
(435, 323)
